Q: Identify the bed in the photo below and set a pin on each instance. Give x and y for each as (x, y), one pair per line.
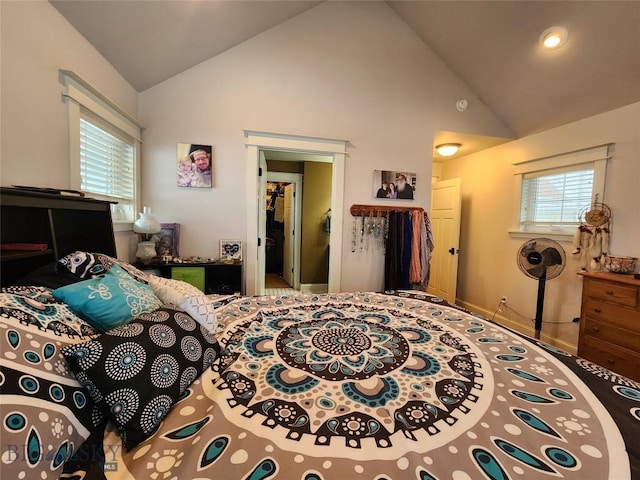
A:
(393, 385)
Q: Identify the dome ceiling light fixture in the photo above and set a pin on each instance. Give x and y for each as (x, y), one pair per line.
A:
(448, 149)
(554, 37)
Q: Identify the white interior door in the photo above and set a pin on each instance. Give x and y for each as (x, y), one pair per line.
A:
(262, 222)
(289, 232)
(445, 222)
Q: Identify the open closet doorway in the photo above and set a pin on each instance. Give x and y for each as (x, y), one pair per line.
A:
(297, 233)
(283, 232)
(256, 143)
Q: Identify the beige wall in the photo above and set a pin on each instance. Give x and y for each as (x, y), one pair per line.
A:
(346, 70)
(316, 201)
(285, 166)
(36, 42)
(488, 267)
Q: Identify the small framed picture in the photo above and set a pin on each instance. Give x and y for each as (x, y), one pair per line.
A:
(394, 185)
(194, 165)
(231, 250)
(168, 243)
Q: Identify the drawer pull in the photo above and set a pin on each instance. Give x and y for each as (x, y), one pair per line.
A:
(597, 310)
(610, 361)
(596, 329)
(609, 292)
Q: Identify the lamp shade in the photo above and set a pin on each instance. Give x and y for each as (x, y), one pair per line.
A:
(147, 223)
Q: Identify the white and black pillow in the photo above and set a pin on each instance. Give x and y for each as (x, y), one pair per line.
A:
(137, 371)
(187, 297)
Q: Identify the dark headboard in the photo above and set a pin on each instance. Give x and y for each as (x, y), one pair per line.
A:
(63, 223)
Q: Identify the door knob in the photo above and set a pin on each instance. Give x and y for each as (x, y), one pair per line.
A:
(453, 251)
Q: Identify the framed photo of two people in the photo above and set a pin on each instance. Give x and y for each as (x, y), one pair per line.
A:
(394, 185)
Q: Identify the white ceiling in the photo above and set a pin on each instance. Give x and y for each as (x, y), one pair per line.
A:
(149, 41)
(491, 45)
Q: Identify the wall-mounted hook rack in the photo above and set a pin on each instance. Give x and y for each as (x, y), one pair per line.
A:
(358, 210)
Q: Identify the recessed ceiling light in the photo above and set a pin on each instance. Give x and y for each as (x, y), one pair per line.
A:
(554, 37)
(448, 149)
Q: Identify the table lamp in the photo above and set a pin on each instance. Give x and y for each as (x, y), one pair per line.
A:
(146, 225)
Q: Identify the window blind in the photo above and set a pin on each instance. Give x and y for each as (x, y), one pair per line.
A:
(555, 197)
(107, 163)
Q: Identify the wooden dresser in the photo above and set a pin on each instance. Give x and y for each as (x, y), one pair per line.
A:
(610, 322)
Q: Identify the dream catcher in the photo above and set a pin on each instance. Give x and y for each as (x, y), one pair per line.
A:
(592, 235)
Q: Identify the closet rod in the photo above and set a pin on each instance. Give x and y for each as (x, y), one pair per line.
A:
(366, 210)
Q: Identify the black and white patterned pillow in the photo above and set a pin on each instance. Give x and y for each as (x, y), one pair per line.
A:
(137, 371)
(88, 265)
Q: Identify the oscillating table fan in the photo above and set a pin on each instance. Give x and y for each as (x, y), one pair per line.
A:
(542, 259)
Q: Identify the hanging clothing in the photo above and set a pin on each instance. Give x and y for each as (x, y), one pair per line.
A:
(408, 247)
(415, 268)
(327, 222)
(407, 236)
(392, 252)
(278, 215)
(426, 249)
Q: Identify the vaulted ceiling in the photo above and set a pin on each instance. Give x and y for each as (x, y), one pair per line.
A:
(492, 46)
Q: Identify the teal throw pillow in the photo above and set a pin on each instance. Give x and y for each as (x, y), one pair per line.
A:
(109, 300)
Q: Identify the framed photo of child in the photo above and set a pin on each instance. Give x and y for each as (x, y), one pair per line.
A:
(194, 165)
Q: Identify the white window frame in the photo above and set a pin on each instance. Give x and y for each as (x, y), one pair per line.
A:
(592, 157)
(79, 97)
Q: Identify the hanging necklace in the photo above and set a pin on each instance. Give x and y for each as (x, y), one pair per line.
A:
(370, 228)
(353, 235)
(386, 227)
(380, 230)
(376, 227)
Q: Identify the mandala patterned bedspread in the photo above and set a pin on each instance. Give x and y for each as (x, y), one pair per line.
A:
(375, 386)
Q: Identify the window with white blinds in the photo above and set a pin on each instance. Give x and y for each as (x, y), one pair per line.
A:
(106, 163)
(554, 189)
(552, 199)
(104, 149)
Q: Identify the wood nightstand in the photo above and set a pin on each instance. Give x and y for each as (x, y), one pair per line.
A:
(212, 278)
(610, 322)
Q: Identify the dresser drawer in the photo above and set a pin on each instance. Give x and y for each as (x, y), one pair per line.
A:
(614, 315)
(612, 292)
(617, 336)
(620, 360)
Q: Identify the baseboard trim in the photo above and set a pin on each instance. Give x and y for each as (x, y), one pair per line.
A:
(314, 287)
(524, 329)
